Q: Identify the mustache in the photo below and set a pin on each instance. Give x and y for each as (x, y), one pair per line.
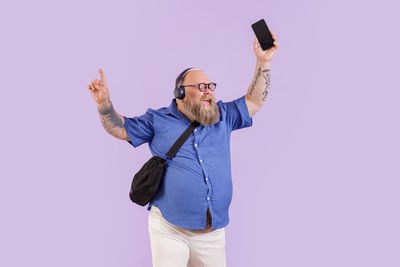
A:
(207, 98)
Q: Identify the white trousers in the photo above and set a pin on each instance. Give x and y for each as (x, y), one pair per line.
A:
(173, 246)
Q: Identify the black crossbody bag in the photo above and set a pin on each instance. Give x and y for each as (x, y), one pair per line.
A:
(146, 181)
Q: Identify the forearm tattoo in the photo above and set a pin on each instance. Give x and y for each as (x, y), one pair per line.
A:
(253, 86)
(110, 118)
(266, 74)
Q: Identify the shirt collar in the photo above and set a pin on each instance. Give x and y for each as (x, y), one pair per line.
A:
(173, 109)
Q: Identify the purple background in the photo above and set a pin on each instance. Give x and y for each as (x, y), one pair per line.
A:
(316, 179)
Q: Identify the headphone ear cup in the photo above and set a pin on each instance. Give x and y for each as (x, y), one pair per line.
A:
(182, 92)
(179, 92)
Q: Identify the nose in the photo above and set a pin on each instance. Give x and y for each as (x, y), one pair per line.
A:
(208, 90)
(207, 93)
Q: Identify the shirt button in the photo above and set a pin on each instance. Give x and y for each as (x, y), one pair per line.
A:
(208, 198)
(206, 179)
(195, 130)
(195, 144)
(201, 160)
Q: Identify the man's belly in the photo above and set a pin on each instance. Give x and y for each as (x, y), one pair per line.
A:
(208, 227)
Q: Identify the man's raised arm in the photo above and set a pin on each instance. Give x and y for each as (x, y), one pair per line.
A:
(259, 87)
(112, 122)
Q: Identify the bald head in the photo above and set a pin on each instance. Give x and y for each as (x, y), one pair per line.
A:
(195, 77)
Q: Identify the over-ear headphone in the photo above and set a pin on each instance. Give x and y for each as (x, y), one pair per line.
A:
(179, 91)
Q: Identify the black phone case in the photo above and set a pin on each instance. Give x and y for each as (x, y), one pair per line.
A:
(263, 34)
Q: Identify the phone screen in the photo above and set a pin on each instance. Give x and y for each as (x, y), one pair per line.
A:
(263, 34)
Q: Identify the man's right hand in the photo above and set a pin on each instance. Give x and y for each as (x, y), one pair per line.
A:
(99, 90)
(112, 122)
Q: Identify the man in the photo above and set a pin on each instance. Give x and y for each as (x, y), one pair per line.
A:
(190, 210)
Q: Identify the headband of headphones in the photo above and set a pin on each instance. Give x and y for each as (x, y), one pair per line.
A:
(182, 75)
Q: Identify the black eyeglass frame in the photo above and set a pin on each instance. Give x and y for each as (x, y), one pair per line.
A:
(198, 86)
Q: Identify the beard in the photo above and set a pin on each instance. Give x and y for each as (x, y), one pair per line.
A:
(205, 115)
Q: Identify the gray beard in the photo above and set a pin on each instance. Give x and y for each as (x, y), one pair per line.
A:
(204, 115)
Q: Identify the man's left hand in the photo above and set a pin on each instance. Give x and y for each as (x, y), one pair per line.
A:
(265, 56)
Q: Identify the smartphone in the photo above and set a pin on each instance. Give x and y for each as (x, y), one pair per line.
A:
(263, 34)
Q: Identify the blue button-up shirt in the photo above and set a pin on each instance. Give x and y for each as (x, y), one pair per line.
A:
(199, 176)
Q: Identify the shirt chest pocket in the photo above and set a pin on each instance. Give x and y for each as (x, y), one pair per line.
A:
(214, 141)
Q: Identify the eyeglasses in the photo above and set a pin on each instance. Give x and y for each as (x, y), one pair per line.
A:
(203, 86)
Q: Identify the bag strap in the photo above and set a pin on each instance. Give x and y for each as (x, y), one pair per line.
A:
(171, 153)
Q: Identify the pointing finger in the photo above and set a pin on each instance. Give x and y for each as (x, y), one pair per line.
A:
(102, 77)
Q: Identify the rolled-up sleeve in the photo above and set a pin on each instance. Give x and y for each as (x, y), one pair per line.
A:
(139, 129)
(237, 114)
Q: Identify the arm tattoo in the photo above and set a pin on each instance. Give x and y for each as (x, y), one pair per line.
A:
(266, 75)
(110, 118)
(253, 86)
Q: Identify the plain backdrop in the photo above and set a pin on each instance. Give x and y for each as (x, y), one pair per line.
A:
(316, 178)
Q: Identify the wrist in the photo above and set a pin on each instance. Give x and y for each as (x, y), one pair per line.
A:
(264, 64)
(104, 106)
